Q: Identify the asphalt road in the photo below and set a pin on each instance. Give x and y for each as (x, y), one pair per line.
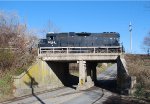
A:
(66, 95)
(107, 79)
(108, 74)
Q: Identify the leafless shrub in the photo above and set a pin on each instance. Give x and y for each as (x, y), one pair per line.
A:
(15, 42)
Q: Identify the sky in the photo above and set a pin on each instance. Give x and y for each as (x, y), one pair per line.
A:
(87, 16)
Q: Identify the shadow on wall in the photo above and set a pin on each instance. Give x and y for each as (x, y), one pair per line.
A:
(72, 80)
(32, 84)
(110, 85)
(61, 70)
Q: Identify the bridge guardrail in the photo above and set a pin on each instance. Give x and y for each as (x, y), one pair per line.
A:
(72, 50)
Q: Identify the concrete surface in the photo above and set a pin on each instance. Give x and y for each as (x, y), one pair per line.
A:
(79, 56)
(41, 76)
(66, 95)
(53, 72)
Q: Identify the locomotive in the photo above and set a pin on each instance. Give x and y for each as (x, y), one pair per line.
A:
(83, 39)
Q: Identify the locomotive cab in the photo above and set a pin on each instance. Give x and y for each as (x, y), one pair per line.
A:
(51, 37)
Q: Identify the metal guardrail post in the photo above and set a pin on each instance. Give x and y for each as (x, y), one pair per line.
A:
(40, 50)
(67, 50)
(80, 49)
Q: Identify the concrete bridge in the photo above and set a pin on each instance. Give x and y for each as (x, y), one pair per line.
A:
(52, 68)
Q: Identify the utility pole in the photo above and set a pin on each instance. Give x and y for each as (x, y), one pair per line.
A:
(130, 30)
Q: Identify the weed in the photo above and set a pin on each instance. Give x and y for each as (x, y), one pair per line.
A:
(138, 65)
(6, 83)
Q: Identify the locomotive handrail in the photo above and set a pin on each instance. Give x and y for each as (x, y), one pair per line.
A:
(70, 50)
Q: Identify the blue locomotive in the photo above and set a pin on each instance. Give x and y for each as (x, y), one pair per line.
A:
(83, 39)
(106, 42)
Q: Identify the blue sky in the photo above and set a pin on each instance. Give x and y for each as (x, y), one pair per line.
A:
(88, 16)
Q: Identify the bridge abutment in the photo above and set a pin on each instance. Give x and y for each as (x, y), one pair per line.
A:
(41, 76)
(125, 82)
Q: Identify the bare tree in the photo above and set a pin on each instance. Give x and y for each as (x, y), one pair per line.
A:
(50, 27)
(15, 41)
(17, 49)
(147, 43)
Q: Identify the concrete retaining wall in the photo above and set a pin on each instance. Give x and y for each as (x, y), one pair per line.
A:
(39, 77)
(125, 82)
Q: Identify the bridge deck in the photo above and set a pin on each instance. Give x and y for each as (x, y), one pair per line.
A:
(79, 53)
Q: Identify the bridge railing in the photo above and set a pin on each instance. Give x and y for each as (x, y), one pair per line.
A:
(70, 50)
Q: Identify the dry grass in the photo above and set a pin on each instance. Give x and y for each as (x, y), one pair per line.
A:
(139, 66)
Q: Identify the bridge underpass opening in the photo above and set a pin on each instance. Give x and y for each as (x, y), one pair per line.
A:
(105, 78)
(73, 78)
(87, 71)
(67, 74)
(64, 72)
